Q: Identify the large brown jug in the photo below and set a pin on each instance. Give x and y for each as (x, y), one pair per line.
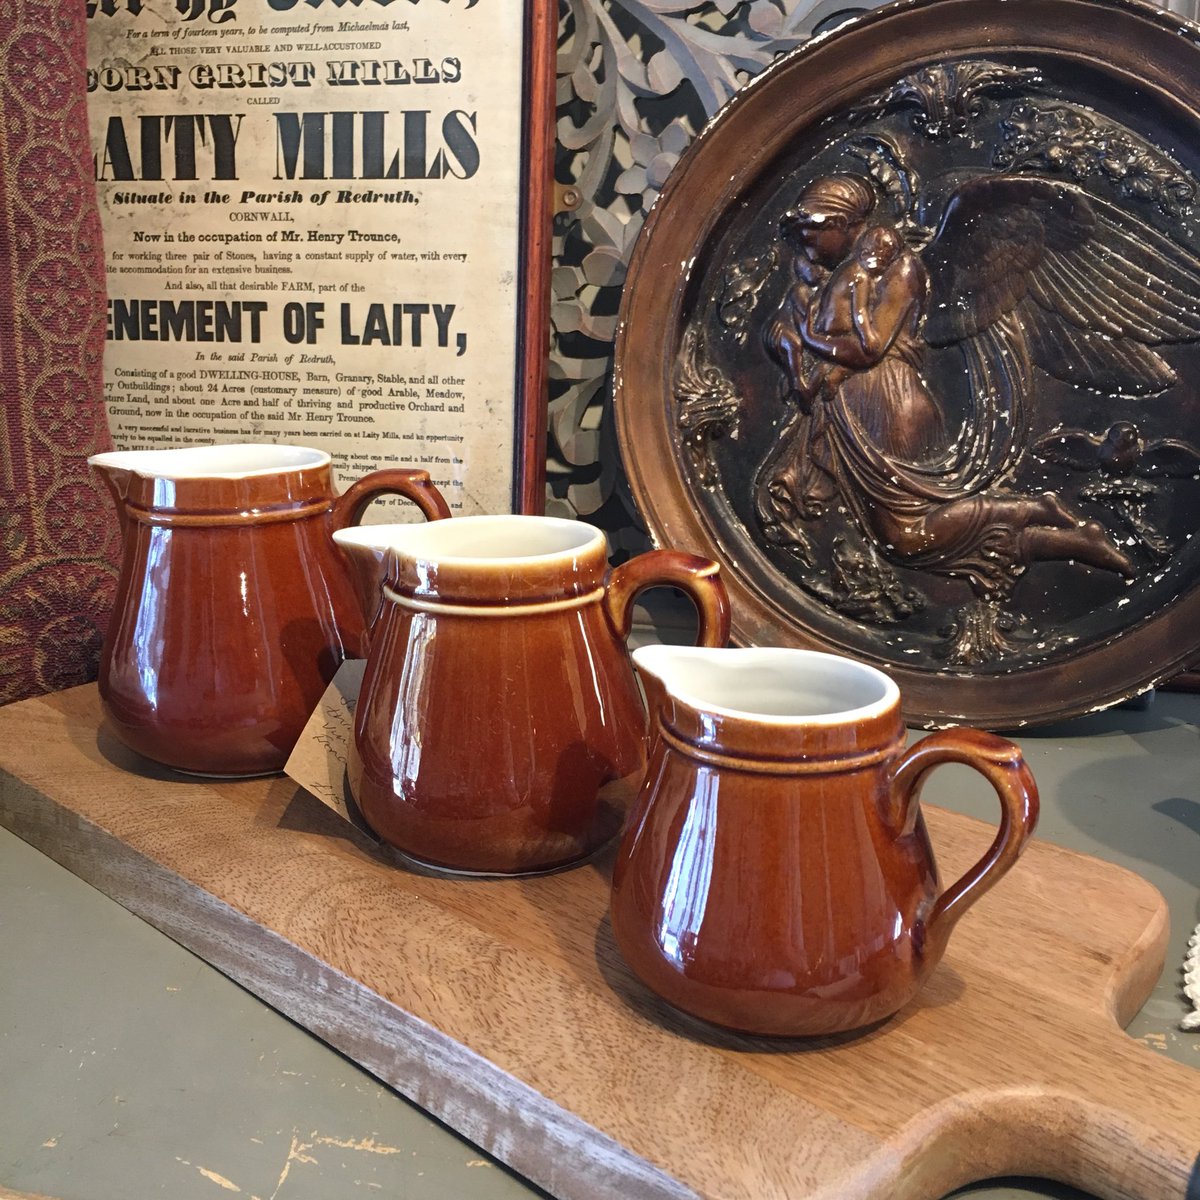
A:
(499, 728)
(775, 876)
(233, 608)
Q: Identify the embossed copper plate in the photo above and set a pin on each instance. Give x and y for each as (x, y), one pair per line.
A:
(911, 341)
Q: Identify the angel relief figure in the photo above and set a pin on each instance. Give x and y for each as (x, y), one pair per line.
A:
(1019, 271)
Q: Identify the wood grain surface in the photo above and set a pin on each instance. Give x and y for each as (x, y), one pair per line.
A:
(503, 1008)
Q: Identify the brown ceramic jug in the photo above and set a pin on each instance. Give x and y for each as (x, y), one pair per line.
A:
(775, 876)
(499, 729)
(233, 608)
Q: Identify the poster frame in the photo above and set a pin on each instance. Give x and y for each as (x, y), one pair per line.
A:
(540, 19)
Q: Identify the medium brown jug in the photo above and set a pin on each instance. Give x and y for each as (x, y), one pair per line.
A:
(233, 607)
(499, 728)
(775, 876)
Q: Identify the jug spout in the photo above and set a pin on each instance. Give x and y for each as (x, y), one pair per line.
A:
(365, 548)
(685, 683)
(654, 668)
(114, 470)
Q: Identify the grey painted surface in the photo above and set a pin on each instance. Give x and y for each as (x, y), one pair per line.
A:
(130, 1068)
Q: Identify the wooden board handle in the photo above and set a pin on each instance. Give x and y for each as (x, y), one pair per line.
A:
(1134, 1134)
(1138, 1125)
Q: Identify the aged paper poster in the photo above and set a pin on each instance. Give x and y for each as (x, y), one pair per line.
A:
(311, 213)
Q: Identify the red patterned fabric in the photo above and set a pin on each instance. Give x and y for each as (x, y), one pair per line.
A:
(57, 530)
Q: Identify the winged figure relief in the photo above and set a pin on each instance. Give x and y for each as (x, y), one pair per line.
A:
(1022, 274)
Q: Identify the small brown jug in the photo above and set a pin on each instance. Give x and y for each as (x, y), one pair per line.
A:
(499, 728)
(233, 608)
(775, 876)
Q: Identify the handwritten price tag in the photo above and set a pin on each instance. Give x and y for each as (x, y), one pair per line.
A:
(318, 762)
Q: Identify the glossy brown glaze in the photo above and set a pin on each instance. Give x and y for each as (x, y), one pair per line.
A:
(234, 608)
(499, 728)
(775, 875)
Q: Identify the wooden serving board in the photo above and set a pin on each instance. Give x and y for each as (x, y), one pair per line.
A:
(503, 1008)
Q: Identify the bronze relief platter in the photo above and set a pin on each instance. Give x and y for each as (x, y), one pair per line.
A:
(910, 343)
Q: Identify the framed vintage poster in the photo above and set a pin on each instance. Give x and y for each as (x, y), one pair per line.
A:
(327, 223)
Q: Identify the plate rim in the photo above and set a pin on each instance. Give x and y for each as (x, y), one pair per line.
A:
(1166, 640)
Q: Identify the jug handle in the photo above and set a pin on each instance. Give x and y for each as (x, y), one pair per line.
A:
(1001, 764)
(414, 485)
(699, 578)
